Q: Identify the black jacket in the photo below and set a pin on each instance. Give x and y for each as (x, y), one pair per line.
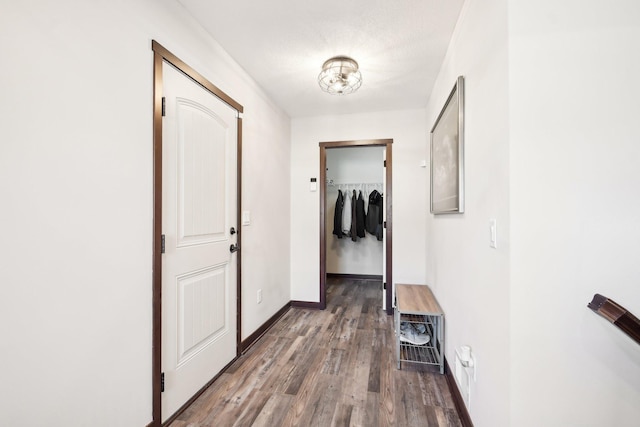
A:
(374, 215)
(337, 216)
(352, 230)
(360, 216)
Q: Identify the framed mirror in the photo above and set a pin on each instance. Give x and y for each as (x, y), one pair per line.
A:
(447, 154)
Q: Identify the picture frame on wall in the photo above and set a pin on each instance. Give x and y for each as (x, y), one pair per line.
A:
(447, 154)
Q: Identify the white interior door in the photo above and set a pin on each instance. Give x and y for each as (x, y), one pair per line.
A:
(198, 210)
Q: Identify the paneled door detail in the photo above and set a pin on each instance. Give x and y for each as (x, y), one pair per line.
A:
(198, 211)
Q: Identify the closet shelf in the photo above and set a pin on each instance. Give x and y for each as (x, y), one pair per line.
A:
(418, 354)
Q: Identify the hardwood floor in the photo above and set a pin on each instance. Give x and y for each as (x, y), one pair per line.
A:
(334, 367)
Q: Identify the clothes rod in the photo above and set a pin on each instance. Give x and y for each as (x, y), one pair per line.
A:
(331, 183)
(617, 315)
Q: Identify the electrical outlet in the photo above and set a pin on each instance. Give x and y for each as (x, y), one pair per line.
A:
(259, 296)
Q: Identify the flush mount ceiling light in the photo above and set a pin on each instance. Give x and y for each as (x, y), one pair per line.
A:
(340, 76)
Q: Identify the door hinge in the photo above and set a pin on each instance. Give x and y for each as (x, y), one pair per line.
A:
(384, 285)
(384, 224)
(383, 163)
(164, 110)
(162, 244)
(162, 382)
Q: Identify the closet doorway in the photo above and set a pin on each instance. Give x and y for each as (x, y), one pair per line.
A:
(328, 194)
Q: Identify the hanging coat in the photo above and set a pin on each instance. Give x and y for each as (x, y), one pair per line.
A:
(379, 226)
(371, 221)
(337, 216)
(360, 216)
(346, 215)
(354, 233)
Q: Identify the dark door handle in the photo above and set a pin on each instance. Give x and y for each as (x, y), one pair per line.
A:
(232, 231)
(234, 248)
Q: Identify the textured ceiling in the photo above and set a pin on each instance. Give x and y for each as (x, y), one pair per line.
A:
(282, 44)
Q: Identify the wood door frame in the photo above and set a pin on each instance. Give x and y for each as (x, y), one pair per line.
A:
(161, 54)
(387, 143)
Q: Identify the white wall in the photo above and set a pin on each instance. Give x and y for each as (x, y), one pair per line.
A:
(362, 167)
(407, 130)
(76, 191)
(265, 242)
(574, 108)
(469, 278)
(551, 153)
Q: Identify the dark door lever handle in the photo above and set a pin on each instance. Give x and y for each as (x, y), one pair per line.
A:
(234, 248)
(232, 231)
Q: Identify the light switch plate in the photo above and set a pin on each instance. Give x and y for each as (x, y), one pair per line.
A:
(246, 218)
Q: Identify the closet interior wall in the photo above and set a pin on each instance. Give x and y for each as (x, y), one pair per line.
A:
(352, 168)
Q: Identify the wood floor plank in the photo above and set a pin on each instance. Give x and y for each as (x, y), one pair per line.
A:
(357, 371)
(321, 403)
(334, 360)
(345, 329)
(239, 412)
(307, 395)
(342, 415)
(374, 366)
(209, 401)
(387, 407)
(431, 390)
(333, 367)
(276, 380)
(411, 410)
(274, 411)
(447, 417)
(368, 415)
(299, 373)
(251, 409)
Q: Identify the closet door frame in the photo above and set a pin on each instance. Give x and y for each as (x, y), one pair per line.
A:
(387, 143)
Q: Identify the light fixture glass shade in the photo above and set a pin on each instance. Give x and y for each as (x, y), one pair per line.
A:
(340, 76)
